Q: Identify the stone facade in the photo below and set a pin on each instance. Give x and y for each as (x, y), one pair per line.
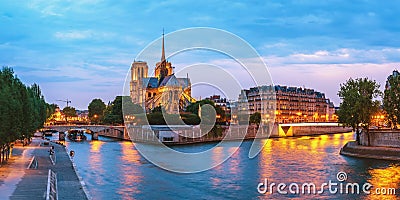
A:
(293, 104)
(164, 89)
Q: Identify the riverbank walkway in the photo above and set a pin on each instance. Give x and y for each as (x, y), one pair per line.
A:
(19, 182)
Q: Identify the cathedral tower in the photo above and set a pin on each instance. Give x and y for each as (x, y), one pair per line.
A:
(139, 71)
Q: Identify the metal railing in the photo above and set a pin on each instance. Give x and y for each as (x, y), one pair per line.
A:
(51, 192)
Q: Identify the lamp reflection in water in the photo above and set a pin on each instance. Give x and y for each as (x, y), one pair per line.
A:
(234, 168)
(218, 154)
(217, 157)
(300, 158)
(95, 161)
(265, 165)
(385, 179)
(131, 178)
(95, 146)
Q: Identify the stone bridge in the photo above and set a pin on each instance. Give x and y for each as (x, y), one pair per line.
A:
(303, 129)
(95, 130)
(105, 130)
(92, 128)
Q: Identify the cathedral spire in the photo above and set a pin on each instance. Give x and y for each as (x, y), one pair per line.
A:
(162, 66)
(163, 50)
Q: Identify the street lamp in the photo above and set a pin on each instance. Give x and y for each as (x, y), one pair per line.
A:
(95, 118)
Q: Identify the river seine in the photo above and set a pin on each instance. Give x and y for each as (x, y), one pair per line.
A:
(114, 169)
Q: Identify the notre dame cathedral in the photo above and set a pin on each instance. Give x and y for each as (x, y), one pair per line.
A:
(165, 89)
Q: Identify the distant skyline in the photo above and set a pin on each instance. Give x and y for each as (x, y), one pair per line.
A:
(83, 50)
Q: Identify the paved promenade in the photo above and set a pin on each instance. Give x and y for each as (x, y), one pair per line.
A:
(18, 182)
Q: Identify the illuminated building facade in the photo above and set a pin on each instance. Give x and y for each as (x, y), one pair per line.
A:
(221, 102)
(58, 118)
(293, 104)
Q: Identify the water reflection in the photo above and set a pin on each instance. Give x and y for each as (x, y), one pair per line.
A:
(95, 161)
(306, 159)
(385, 179)
(131, 177)
(235, 167)
(95, 146)
(217, 157)
(266, 161)
(116, 170)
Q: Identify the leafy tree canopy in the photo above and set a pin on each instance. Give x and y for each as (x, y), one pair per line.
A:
(255, 118)
(358, 104)
(113, 112)
(391, 101)
(69, 111)
(23, 109)
(96, 110)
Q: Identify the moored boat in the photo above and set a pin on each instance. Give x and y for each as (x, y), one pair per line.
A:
(38, 134)
(48, 133)
(76, 135)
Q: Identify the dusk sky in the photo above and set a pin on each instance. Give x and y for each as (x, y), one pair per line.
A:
(82, 50)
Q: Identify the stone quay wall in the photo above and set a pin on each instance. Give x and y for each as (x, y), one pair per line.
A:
(118, 132)
(189, 134)
(304, 129)
(381, 138)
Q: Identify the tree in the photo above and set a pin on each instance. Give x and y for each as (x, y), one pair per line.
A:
(194, 107)
(37, 107)
(158, 116)
(358, 104)
(69, 112)
(158, 109)
(391, 101)
(211, 116)
(96, 110)
(50, 109)
(22, 110)
(113, 112)
(255, 118)
(190, 119)
(130, 108)
(219, 112)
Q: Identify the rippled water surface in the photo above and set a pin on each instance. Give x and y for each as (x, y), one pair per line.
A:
(115, 170)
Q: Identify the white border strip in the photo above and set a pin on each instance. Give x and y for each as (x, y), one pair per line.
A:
(51, 158)
(31, 162)
(48, 185)
(83, 184)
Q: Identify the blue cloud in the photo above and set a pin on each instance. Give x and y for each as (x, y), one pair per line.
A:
(99, 38)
